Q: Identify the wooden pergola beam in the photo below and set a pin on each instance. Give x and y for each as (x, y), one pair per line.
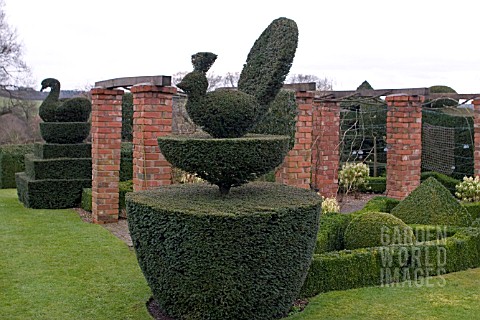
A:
(127, 82)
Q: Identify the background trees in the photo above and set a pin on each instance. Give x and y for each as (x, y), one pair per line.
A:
(13, 69)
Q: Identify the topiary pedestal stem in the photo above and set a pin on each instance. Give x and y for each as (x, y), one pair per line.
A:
(224, 188)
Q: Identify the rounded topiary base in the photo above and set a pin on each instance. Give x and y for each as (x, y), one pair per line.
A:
(225, 162)
(64, 132)
(243, 255)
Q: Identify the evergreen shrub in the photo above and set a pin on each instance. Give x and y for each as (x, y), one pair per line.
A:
(50, 193)
(447, 181)
(76, 109)
(11, 162)
(280, 118)
(225, 162)
(58, 168)
(473, 209)
(55, 150)
(379, 204)
(375, 229)
(212, 256)
(331, 230)
(269, 61)
(126, 161)
(348, 269)
(374, 185)
(432, 203)
(64, 132)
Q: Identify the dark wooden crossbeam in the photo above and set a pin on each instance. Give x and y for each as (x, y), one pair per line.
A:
(127, 82)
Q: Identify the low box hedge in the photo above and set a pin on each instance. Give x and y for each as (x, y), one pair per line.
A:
(473, 209)
(348, 269)
(11, 162)
(374, 185)
(448, 182)
(379, 184)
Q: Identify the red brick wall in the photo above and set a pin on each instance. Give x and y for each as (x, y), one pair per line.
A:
(296, 168)
(106, 143)
(404, 144)
(152, 118)
(325, 150)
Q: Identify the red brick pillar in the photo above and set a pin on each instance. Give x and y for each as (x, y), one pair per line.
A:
(325, 150)
(106, 144)
(296, 168)
(152, 118)
(404, 144)
(476, 126)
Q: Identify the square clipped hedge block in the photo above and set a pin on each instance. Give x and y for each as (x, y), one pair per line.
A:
(58, 168)
(11, 162)
(55, 150)
(50, 194)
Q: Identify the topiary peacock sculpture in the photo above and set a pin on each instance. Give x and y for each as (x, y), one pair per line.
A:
(242, 253)
(222, 113)
(234, 113)
(65, 120)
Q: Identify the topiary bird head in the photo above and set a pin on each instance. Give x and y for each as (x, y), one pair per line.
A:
(51, 83)
(194, 84)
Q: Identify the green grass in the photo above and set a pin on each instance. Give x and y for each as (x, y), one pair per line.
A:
(54, 266)
(458, 299)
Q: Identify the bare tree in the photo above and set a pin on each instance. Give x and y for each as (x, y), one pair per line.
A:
(13, 69)
(231, 79)
(323, 84)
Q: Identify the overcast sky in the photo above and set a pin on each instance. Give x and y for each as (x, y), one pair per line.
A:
(392, 44)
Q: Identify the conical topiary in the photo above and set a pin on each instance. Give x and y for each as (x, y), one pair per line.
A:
(432, 203)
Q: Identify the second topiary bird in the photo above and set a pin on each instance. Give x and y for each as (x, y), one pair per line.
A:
(65, 120)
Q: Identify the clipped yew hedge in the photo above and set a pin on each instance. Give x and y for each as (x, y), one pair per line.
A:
(58, 168)
(48, 193)
(52, 150)
(11, 162)
(269, 61)
(64, 132)
(225, 162)
(243, 255)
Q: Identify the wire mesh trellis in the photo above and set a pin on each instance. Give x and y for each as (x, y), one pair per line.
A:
(447, 137)
(363, 133)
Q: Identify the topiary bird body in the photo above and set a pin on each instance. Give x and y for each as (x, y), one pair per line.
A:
(222, 113)
(54, 109)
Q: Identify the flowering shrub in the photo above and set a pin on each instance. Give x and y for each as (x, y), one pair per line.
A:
(330, 205)
(353, 176)
(468, 189)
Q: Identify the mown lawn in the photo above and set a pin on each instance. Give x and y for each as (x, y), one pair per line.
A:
(458, 299)
(54, 266)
